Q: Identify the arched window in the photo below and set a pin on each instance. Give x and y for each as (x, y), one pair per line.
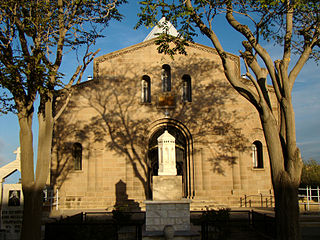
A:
(166, 78)
(257, 154)
(145, 89)
(186, 88)
(77, 156)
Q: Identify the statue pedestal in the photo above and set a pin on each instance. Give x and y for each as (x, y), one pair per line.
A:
(167, 188)
(168, 211)
(162, 213)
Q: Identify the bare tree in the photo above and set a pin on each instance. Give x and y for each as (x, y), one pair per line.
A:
(292, 25)
(34, 37)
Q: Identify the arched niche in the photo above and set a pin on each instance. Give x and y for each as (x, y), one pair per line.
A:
(184, 152)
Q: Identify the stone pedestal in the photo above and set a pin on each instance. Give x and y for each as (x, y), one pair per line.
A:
(167, 188)
(168, 210)
(162, 213)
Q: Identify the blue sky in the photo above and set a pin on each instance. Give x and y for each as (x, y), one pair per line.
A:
(306, 95)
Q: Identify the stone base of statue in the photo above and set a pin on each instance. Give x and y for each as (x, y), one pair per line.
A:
(168, 214)
(167, 187)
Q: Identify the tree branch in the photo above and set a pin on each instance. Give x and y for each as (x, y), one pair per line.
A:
(244, 90)
(245, 31)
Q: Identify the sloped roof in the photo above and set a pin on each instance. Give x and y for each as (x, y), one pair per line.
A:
(159, 28)
(166, 137)
(11, 167)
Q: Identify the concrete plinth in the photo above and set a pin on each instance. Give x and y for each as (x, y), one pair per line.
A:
(167, 188)
(162, 213)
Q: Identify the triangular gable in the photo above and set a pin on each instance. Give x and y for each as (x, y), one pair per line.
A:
(158, 29)
(11, 167)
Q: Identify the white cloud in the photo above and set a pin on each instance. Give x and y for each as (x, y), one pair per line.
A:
(306, 99)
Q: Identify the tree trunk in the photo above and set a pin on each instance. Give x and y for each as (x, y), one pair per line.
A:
(287, 209)
(30, 225)
(285, 187)
(33, 186)
(32, 214)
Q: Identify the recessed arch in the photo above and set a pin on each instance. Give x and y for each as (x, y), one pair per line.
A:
(184, 152)
(186, 88)
(166, 78)
(77, 155)
(145, 89)
(257, 154)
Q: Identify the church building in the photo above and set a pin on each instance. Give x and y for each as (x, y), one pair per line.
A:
(105, 146)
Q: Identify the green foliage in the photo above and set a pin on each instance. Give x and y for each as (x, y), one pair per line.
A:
(34, 36)
(266, 18)
(310, 173)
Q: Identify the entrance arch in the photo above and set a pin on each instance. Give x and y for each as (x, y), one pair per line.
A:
(184, 163)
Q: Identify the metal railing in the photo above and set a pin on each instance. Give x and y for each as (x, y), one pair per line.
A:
(258, 200)
(51, 198)
(309, 196)
(260, 222)
(86, 225)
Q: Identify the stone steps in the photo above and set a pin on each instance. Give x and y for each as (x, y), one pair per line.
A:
(202, 205)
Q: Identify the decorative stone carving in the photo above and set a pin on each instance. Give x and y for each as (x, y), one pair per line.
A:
(167, 155)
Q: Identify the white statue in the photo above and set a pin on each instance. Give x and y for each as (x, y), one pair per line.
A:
(167, 155)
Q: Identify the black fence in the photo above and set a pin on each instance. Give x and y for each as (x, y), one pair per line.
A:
(81, 231)
(98, 226)
(264, 223)
(259, 200)
(95, 226)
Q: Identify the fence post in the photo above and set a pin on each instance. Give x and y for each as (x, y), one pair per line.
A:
(267, 202)
(318, 197)
(50, 196)
(57, 200)
(308, 198)
(261, 200)
(245, 200)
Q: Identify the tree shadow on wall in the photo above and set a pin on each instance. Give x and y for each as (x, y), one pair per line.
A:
(120, 122)
(63, 150)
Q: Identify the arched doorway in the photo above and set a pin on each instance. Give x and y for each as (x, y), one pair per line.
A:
(182, 155)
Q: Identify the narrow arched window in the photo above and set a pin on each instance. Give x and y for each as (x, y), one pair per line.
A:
(166, 78)
(145, 89)
(77, 156)
(257, 154)
(186, 88)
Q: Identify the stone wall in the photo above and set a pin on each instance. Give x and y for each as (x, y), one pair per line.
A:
(107, 118)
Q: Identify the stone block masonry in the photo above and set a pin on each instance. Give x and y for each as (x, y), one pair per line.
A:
(162, 213)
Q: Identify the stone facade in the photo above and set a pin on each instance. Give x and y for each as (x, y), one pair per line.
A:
(115, 130)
